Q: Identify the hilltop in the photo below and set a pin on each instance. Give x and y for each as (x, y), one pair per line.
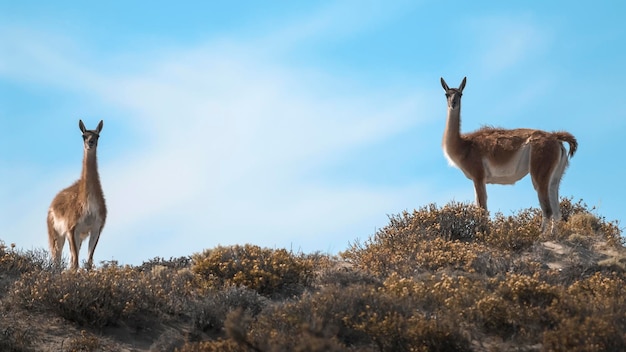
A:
(445, 278)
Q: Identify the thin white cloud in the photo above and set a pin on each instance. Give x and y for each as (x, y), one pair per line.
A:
(233, 163)
(42, 58)
(333, 22)
(504, 42)
(229, 133)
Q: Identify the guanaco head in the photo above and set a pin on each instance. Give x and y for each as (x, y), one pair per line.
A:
(90, 137)
(453, 94)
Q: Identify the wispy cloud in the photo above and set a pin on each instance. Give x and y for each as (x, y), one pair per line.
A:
(507, 41)
(333, 22)
(228, 134)
(235, 161)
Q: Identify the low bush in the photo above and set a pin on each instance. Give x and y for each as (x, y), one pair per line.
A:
(436, 279)
(271, 272)
(358, 317)
(102, 297)
(516, 232)
(592, 313)
(210, 311)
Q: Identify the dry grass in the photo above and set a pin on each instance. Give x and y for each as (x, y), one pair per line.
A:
(436, 279)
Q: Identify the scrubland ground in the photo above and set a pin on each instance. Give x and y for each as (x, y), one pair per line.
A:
(436, 279)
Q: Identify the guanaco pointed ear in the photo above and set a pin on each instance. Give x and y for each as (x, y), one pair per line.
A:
(444, 85)
(81, 125)
(99, 128)
(462, 86)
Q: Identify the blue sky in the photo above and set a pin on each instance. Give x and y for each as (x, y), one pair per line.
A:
(298, 125)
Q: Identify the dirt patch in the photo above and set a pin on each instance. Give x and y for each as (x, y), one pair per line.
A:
(559, 253)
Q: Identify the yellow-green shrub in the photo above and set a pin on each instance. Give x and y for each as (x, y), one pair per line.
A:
(513, 233)
(271, 272)
(591, 316)
(426, 255)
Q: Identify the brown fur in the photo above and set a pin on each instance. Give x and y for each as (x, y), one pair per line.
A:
(498, 142)
(79, 210)
(496, 155)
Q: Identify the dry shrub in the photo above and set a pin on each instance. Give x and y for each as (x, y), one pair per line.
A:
(436, 279)
(289, 326)
(612, 233)
(442, 295)
(172, 263)
(270, 272)
(454, 255)
(516, 307)
(384, 320)
(528, 290)
(493, 315)
(14, 262)
(516, 233)
(416, 315)
(218, 345)
(300, 336)
(460, 221)
(454, 221)
(581, 229)
(209, 313)
(585, 223)
(427, 255)
(569, 208)
(103, 297)
(86, 342)
(512, 306)
(440, 253)
(585, 334)
(384, 256)
(358, 317)
(428, 239)
(346, 275)
(590, 316)
(579, 240)
(393, 331)
(580, 220)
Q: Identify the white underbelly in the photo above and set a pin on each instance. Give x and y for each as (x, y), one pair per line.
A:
(509, 172)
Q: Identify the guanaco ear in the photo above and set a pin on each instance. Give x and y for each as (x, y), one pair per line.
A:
(444, 85)
(462, 86)
(99, 128)
(81, 125)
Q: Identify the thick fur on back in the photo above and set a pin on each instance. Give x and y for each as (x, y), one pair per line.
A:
(498, 143)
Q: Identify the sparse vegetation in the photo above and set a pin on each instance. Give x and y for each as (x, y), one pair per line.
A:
(437, 279)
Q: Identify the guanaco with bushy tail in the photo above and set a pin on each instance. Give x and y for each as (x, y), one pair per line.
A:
(79, 211)
(503, 156)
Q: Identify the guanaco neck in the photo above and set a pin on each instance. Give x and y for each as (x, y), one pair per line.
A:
(452, 141)
(90, 180)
